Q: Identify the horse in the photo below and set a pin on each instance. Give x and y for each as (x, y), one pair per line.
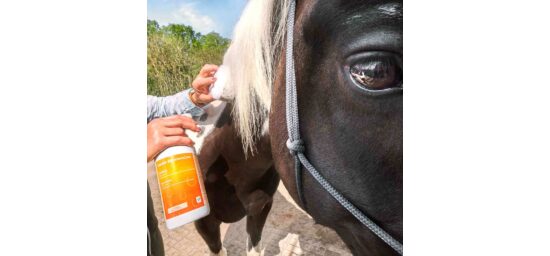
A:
(348, 72)
(238, 184)
(240, 178)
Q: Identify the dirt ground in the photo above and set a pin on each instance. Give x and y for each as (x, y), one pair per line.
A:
(288, 231)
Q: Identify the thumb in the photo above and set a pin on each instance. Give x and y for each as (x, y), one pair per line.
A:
(205, 98)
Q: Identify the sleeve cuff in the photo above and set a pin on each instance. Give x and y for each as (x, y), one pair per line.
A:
(189, 106)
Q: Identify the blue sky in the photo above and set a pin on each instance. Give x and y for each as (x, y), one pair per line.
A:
(203, 15)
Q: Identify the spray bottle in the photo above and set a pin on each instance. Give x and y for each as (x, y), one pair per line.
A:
(181, 185)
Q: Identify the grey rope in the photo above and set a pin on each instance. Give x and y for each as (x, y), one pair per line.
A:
(297, 148)
(294, 143)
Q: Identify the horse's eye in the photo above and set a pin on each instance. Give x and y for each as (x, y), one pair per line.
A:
(376, 74)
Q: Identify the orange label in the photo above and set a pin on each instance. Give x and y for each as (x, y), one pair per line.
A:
(179, 184)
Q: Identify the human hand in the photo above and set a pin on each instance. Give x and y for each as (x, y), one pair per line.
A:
(167, 132)
(202, 84)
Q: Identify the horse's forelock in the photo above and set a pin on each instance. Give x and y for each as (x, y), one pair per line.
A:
(251, 58)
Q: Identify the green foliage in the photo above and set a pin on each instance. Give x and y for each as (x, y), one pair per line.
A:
(175, 55)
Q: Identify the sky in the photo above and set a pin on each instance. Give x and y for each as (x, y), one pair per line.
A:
(203, 15)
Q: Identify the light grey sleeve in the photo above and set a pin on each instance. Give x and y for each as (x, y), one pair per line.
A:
(176, 104)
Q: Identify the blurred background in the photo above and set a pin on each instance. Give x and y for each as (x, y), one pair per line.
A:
(184, 35)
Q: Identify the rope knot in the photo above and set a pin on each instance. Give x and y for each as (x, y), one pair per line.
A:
(295, 146)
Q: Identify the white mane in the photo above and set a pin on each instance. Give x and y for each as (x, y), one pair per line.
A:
(251, 58)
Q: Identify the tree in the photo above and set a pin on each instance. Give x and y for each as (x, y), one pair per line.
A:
(186, 33)
(152, 26)
(175, 54)
(213, 40)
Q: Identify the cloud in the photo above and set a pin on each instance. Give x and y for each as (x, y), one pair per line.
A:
(188, 15)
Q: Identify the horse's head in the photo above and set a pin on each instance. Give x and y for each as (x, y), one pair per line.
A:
(348, 64)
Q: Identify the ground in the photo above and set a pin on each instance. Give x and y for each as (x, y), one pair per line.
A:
(288, 231)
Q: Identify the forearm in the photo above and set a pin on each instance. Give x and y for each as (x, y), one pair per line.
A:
(176, 104)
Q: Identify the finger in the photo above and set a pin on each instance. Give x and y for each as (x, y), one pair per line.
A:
(207, 69)
(206, 98)
(179, 118)
(203, 82)
(178, 141)
(174, 132)
(178, 121)
(203, 90)
(183, 122)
